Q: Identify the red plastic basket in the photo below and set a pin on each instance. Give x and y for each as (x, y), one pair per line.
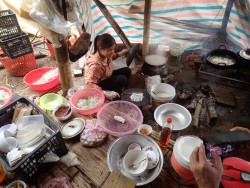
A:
(19, 66)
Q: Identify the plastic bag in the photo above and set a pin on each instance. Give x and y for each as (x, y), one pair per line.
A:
(46, 13)
(70, 159)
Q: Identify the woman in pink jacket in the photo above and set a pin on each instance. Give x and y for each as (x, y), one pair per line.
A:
(99, 71)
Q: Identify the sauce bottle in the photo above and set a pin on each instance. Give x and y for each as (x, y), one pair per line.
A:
(2, 173)
(166, 133)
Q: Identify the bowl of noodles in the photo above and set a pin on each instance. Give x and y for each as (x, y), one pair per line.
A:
(87, 101)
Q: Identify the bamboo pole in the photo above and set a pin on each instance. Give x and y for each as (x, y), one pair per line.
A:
(63, 63)
(113, 23)
(146, 31)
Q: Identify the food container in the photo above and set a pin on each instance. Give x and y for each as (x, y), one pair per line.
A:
(119, 148)
(51, 100)
(183, 148)
(128, 111)
(145, 129)
(9, 99)
(17, 184)
(32, 77)
(29, 166)
(161, 93)
(62, 112)
(85, 93)
(181, 117)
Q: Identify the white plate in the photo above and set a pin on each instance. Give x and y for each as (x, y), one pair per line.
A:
(73, 128)
(244, 55)
(155, 60)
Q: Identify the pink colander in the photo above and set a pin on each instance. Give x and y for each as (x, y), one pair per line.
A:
(126, 110)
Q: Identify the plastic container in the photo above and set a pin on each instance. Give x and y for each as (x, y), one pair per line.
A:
(9, 24)
(9, 91)
(127, 110)
(85, 93)
(15, 46)
(29, 166)
(183, 148)
(35, 75)
(19, 66)
(161, 93)
(166, 133)
(50, 101)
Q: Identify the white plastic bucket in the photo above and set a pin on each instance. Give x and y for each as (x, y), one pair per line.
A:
(161, 93)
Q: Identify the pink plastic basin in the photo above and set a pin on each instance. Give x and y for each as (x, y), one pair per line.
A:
(10, 96)
(36, 74)
(83, 94)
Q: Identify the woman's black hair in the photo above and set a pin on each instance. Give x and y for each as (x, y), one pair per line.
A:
(104, 41)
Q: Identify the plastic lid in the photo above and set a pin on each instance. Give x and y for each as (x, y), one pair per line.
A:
(169, 120)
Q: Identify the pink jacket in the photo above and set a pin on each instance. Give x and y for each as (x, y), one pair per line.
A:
(96, 70)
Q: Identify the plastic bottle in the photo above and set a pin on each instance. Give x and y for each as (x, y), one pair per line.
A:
(166, 133)
(2, 173)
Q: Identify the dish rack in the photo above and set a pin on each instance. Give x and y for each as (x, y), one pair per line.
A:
(28, 167)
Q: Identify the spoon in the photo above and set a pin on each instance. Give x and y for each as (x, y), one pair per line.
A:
(135, 165)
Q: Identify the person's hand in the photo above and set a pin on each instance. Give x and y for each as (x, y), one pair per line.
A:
(206, 174)
(242, 129)
(123, 52)
(111, 94)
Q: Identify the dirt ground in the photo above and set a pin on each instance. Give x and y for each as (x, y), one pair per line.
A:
(181, 75)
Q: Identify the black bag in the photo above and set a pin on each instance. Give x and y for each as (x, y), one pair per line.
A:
(80, 47)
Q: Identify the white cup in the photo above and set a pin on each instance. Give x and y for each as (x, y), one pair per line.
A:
(7, 142)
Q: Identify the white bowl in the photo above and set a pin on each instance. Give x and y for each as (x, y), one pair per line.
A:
(135, 157)
(64, 117)
(14, 184)
(181, 117)
(145, 129)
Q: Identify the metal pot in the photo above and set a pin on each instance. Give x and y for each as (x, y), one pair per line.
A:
(222, 58)
(244, 59)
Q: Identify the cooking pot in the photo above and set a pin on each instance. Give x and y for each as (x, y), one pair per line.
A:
(222, 58)
(244, 58)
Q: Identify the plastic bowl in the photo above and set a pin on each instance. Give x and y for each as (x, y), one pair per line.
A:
(126, 110)
(8, 101)
(36, 74)
(137, 158)
(86, 93)
(17, 182)
(65, 116)
(50, 100)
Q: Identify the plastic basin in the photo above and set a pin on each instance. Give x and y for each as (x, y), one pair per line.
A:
(8, 101)
(50, 101)
(83, 94)
(36, 74)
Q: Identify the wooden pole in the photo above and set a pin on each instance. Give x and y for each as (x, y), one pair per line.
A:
(146, 31)
(113, 23)
(63, 63)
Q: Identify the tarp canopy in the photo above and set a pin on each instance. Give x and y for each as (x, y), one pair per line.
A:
(189, 22)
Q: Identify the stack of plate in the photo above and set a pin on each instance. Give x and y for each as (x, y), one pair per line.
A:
(30, 135)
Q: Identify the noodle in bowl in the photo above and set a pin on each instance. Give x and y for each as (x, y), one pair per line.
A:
(87, 101)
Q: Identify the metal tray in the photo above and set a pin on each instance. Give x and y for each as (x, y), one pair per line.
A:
(118, 149)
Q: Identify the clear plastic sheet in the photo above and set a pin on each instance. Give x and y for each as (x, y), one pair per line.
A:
(47, 13)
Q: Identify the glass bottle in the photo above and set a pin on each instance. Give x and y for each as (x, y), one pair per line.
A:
(166, 133)
(2, 173)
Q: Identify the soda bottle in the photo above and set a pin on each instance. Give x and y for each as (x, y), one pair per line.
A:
(2, 173)
(166, 133)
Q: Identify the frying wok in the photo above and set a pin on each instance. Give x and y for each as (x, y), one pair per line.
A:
(228, 58)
